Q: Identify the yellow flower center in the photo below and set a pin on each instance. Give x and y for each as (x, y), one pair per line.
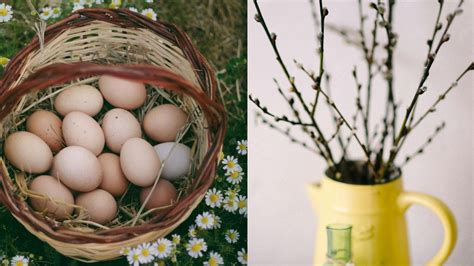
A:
(245, 256)
(176, 240)
(46, 12)
(4, 61)
(212, 261)
(205, 220)
(230, 164)
(242, 204)
(19, 263)
(234, 175)
(214, 198)
(242, 147)
(145, 252)
(136, 257)
(56, 11)
(231, 236)
(3, 12)
(149, 14)
(230, 203)
(196, 247)
(161, 248)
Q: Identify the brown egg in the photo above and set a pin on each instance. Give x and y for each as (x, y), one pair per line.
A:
(28, 152)
(78, 169)
(113, 181)
(47, 126)
(122, 93)
(139, 161)
(99, 206)
(80, 98)
(59, 200)
(163, 195)
(164, 122)
(120, 125)
(82, 130)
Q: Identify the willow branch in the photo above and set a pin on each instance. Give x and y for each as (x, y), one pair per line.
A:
(420, 150)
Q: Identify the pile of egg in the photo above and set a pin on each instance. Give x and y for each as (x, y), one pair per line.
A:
(77, 161)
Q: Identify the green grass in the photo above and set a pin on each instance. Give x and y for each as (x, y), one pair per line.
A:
(218, 28)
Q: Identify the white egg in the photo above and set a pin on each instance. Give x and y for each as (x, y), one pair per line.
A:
(179, 161)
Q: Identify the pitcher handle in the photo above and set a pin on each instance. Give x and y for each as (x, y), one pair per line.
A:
(406, 199)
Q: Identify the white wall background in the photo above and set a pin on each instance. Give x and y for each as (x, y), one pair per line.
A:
(282, 224)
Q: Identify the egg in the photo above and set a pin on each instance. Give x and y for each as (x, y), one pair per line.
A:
(28, 152)
(122, 93)
(113, 180)
(80, 98)
(99, 206)
(120, 125)
(163, 195)
(139, 162)
(58, 199)
(164, 122)
(77, 168)
(178, 159)
(79, 129)
(47, 126)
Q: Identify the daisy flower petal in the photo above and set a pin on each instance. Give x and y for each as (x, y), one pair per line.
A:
(162, 248)
(215, 259)
(19, 261)
(205, 221)
(145, 253)
(242, 256)
(149, 13)
(242, 147)
(196, 247)
(6, 13)
(242, 204)
(232, 236)
(213, 198)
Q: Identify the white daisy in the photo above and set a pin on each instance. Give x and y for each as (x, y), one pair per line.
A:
(235, 176)
(230, 163)
(232, 236)
(162, 248)
(192, 231)
(176, 239)
(149, 13)
(77, 7)
(205, 220)
(145, 253)
(242, 147)
(19, 261)
(133, 257)
(215, 259)
(56, 12)
(6, 13)
(125, 251)
(230, 204)
(214, 198)
(242, 204)
(242, 256)
(217, 222)
(133, 9)
(231, 193)
(196, 247)
(4, 61)
(46, 13)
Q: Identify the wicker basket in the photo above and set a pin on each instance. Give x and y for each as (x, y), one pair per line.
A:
(71, 52)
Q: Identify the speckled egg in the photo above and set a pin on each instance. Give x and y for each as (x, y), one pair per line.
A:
(47, 126)
(80, 98)
(120, 125)
(79, 129)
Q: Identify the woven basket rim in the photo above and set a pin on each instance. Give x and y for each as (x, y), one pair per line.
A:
(49, 75)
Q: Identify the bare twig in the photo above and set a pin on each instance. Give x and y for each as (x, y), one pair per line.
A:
(420, 150)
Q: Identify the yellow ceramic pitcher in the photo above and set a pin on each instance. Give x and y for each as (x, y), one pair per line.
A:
(376, 213)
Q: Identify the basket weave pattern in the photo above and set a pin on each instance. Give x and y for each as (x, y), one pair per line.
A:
(70, 51)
